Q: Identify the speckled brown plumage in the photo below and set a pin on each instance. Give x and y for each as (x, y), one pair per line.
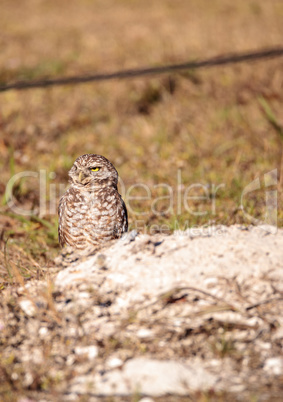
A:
(91, 212)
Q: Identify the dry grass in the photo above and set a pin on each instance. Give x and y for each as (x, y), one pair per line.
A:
(222, 125)
(216, 125)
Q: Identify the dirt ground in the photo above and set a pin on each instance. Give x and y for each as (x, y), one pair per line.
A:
(186, 145)
(193, 316)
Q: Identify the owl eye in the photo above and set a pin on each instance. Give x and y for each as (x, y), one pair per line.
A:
(95, 169)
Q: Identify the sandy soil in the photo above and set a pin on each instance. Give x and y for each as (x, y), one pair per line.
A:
(189, 314)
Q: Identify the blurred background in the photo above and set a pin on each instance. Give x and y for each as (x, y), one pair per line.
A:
(217, 126)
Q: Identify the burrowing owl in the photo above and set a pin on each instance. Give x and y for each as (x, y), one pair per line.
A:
(91, 211)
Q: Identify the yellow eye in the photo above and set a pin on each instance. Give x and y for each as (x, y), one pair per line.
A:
(95, 169)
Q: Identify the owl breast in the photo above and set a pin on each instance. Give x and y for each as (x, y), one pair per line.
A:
(91, 218)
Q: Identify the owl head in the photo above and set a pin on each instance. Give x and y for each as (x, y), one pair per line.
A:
(92, 171)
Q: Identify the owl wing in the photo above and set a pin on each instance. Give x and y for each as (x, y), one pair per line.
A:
(61, 225)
